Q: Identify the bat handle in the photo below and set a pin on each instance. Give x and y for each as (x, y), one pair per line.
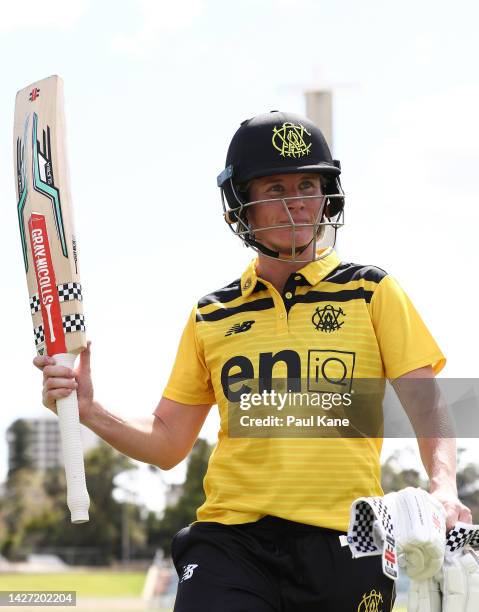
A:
(67, 408)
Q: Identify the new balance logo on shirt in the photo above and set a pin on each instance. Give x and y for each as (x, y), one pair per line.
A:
(239, 327)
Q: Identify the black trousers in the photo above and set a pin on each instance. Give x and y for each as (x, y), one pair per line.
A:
(274, 565)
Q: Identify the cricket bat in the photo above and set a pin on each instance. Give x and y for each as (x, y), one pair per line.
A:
(49, 250)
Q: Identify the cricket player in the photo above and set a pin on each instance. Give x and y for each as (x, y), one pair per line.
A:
(266, 537)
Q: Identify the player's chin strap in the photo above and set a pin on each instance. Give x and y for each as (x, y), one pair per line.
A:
(252, 242)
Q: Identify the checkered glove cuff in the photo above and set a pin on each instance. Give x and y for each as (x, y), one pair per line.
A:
(460, 536)
(371, 532)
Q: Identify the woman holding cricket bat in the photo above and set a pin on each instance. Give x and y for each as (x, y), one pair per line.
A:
(297, 322)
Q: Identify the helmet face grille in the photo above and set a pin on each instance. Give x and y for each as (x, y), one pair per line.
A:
(252, 236)
(277, 143)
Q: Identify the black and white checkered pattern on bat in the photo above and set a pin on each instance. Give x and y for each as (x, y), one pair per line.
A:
(71, 323)
(39, 335)
(66, 293)
(34, 304)
(70, 291)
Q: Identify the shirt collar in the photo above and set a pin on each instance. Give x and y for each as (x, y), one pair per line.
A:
(313, 272)
(249, 278)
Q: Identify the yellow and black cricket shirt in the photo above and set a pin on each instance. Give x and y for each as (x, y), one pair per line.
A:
(248, 325)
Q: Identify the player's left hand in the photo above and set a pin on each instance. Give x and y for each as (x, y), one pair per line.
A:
(455, 509)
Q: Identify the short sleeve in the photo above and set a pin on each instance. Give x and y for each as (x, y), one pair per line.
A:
(404, 340)
(190, 380)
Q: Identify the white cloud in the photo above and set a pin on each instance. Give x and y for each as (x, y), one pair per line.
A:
(157, 16)
(48, 13)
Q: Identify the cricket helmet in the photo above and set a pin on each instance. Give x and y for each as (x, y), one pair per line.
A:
(277, 143)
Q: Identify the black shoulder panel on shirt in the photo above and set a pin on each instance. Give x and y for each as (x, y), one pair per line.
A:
(347, 272)
(338, 296)
(224, 295)
(223, 313)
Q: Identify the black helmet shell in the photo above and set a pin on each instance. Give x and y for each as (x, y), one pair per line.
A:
(277, 143)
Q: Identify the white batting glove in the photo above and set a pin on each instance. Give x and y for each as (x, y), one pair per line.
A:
(410, 523)
(420, 527)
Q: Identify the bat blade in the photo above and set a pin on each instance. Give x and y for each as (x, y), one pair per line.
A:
(45, 218)
(49, 248)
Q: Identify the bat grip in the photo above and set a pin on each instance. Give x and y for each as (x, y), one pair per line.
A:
(67, 408)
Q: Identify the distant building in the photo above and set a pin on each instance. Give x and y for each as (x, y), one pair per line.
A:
(40, 443)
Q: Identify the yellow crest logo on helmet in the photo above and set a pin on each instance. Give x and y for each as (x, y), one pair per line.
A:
(289, 140)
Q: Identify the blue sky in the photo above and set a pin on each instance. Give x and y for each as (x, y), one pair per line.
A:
(154, 91)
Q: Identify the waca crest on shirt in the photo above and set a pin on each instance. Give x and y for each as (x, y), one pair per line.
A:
(327, 319)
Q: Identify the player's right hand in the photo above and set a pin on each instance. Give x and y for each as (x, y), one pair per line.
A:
(59, 382)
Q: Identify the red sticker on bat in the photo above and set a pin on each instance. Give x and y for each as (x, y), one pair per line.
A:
(34, 94)
(47, 286)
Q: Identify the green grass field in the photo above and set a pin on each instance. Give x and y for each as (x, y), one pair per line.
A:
(88, 584)
(96, 584)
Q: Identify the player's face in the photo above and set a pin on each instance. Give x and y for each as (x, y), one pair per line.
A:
(305, 208)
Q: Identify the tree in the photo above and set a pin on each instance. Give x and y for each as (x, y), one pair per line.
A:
(19, 439)
(181, 514)
(24, 500)
(103, 531)
(36, 514)
(394, 478)
(468, 486)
